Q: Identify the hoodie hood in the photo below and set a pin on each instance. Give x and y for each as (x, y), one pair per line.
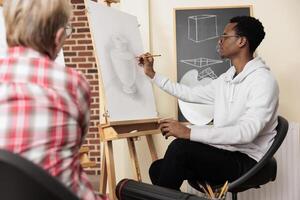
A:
(253, 65)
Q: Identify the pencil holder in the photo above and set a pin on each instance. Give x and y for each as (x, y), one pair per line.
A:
(214, 198)
(216, 193)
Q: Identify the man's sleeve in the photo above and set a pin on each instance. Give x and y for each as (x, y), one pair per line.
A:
(199, 94)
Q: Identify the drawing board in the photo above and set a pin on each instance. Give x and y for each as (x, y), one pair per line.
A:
(127, 92)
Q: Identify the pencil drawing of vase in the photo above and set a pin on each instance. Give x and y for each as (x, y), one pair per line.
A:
(124, 63)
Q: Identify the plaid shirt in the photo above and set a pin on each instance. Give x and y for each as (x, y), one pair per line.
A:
(44, 115)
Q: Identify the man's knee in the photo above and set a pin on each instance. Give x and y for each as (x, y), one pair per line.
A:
(177, 147)
(154, 171)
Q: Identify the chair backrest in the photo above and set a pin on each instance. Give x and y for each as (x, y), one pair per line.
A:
(22, 179)
(282, 129)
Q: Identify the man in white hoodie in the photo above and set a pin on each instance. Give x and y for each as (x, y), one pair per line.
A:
(245, 101)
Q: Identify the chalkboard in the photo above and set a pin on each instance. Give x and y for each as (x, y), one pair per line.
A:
(197, 31)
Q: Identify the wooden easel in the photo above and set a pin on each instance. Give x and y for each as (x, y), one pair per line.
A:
(110, 132)
(129, 130)
(109, 2)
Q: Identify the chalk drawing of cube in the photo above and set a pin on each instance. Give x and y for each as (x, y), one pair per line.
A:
(202, 27)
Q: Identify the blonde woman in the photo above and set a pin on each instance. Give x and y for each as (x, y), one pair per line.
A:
(44, 107)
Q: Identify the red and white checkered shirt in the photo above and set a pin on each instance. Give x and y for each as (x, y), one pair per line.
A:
(44, 115)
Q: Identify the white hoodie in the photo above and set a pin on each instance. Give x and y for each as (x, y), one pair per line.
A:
(245, 108)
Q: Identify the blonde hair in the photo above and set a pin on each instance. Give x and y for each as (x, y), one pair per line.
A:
(34, 23)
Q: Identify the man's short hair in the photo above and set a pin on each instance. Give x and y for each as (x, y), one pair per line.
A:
(34, 23)
(251, 28)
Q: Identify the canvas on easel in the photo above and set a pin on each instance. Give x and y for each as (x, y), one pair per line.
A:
(117, 41)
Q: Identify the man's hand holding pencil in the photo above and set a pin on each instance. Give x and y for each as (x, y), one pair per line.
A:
(146, 61)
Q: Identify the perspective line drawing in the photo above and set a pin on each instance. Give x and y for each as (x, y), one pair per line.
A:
(208, 72)
(201, 62)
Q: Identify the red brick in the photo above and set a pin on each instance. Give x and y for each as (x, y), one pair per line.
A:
(78, 24)
(88, 76)
(69, 53)
(94, 129)
(78, 59)
(80, 7)
(84, 41)
(76, 35)
(66, 48)
(82, 19)
(91, 59)
(95, 82)
(92, 147)
(79, 12)
(78, 48)
(86, 53)
(91, 141)
(77, 1)
(85, 65)
(70, 42)
(82, 30)
(90, 136)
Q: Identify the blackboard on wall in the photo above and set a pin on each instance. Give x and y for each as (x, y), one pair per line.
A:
(197, 32)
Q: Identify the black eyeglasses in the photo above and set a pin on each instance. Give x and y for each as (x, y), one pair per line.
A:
(68, 30)
(223, 37)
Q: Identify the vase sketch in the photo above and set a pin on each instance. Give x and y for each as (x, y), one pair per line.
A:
(124, 63)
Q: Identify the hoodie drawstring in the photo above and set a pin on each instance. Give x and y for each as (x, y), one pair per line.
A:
(231, 93)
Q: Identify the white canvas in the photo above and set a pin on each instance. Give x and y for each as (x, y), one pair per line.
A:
(3, 45)
(140, 9)
(117, 40)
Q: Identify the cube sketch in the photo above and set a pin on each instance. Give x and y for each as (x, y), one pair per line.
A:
(202, 27)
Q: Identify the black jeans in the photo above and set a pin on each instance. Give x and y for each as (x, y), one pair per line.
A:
(188, 160)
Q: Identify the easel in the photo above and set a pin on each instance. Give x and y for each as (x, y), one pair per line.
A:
(110, 132)
(129, 130)
(109, 2)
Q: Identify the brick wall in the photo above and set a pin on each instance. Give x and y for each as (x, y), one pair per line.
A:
(79, 54)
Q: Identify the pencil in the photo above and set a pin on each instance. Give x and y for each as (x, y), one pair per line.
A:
(210, 191)
(224, 188)
(154, 55)
(205, 191)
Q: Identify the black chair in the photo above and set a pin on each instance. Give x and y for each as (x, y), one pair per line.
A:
(21, 179)
(263, 172)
